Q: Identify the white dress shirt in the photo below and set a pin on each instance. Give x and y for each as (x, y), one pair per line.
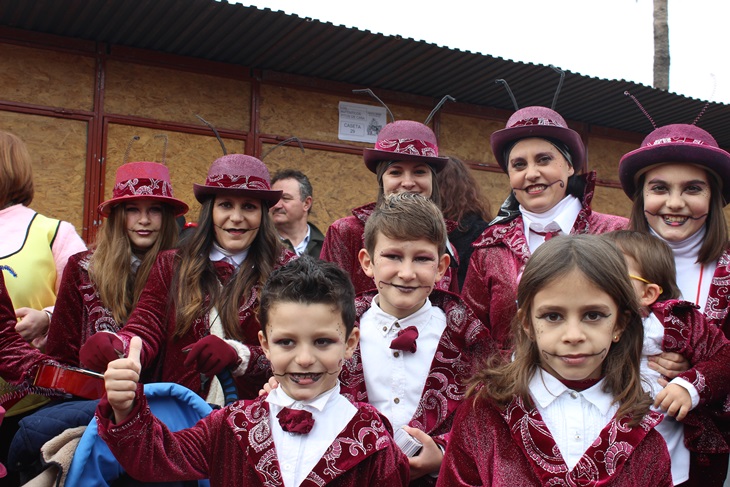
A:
(297, 453)
(217, 253)
(395, 379)
(574, 418)
(560, 217)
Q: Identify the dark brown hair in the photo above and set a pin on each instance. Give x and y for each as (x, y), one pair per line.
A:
(460, 193)
(196, 276)
(715, 239)
(603, 265)
(407, 217)
(16, 172)
(653, 256)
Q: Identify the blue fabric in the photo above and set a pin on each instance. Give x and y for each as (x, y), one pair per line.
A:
(175, 405)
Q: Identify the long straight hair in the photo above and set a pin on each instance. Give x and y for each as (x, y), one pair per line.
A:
(110, 264)
(603, 265)
(196, 286)
(716, 238)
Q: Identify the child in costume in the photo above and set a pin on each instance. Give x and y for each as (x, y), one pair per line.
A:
(568, 407)
(197, 311)
(417, 344)
(302, 433)
(671, 325)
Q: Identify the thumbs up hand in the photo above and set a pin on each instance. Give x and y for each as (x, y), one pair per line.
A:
(121, 378)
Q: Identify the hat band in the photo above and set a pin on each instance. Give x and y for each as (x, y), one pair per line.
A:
(684, 140)
(537, 121)
(232, 181)
(413, 147)
(142, 187)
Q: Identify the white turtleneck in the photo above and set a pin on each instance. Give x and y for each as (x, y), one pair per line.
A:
(693, 278)
(560, 217)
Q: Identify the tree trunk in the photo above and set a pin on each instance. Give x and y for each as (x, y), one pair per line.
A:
(661, 45)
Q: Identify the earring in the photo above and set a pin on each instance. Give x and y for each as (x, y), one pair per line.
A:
(615, 338)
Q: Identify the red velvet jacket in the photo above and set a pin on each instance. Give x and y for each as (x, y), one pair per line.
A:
(346, 237)
(153, 320)
(500, 255)
(718, 301)
(234, 447)
(79, 312)
(463, 345)
(514, 448)
(687, 333)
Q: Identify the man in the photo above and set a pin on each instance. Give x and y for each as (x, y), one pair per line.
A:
(291, 212)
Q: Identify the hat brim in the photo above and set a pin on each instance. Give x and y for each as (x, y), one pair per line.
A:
(638, 161)
(500, 139)
(373, 156)
(203, 192)
(178, 206)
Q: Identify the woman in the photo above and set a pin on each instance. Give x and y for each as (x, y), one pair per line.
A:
(405, 159)
(542, 158)
(196, 314)
(463, 202)
(678, 181)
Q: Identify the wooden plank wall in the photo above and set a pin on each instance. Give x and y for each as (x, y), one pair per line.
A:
(77, 104)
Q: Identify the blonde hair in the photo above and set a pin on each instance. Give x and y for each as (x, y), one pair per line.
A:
(602, 264)
(109, 265)
(16, 172)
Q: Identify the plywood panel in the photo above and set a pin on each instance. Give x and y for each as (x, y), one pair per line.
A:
(311, 115)
(340, 182)
(494, 186)
(604, 155)
(612, 201)
(45, 77)
(58, 150)
(467, 137)
(188, 157)
(175, 95)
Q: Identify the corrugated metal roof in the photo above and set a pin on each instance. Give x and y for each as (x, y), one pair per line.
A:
(269, 40)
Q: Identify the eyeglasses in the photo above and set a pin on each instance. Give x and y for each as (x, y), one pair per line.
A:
(661, 290)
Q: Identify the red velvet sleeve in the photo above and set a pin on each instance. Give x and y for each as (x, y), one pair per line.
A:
(65, 335)
(340, 242)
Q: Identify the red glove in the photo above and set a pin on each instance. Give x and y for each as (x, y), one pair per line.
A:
(100, 349)
(210, 355)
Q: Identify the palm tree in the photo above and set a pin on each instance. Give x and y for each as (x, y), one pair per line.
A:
(661, 45)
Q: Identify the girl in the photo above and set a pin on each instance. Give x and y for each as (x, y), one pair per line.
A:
(569, 409)
(101, 287)
(542, 158)
(405, 159)
(197, 311)
(677, 180)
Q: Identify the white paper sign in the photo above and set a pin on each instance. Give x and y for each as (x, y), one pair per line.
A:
(360, 123)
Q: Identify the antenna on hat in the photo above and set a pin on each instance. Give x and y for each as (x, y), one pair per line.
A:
(509, 92)
(129, 148)
(164, 146)
(283, 142)
(643, 110)
(217, 135)
(368, 91)
(707, 104)
(436, 109)
(560, 85)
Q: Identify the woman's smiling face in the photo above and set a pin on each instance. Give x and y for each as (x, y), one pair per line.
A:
(538, 174)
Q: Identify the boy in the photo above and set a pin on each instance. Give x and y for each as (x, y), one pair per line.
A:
(307, 332)
(672, 325)
(417, 345)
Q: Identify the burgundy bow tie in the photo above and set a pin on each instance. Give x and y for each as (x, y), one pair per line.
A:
(406, 340)
(546, 235)
(223, 270)
(297, 421)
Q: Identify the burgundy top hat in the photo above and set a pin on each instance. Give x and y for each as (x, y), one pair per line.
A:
(237, 175)
(408, 141)
(539, 122)
(143, 180)
(675, 143)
